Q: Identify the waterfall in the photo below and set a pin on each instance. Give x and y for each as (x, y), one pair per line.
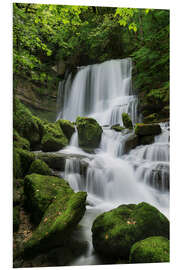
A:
(109, 176)
(102, 91)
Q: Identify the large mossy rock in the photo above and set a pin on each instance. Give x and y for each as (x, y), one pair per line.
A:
(58, 222)
(127, 121)
(115, 231)
(53, 138)
(40, 191)
(147, 129)
(40, 167)
(26, 159)
(89, 132)
(20, 142)
(150, 250)
(67, 127)
(26, 124)
(22, 160)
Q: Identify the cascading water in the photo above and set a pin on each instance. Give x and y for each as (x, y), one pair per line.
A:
(109, 176)
(102, 91)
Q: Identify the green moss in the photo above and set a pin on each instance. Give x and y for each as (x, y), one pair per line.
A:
(147, 129)
(40, 167)
(67, 127)
(40, 191)
(115, 231)
(53, 138)
(89, 132)
(127, 121)
(25, 124)
(117, 128)
(16, 218)
(26, 158)
(59, 220)
(19, 141)
(150, 250)
(17, 168)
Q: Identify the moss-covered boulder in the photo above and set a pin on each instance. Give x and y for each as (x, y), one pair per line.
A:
(150, 250)
(40, 191)
(16, 218)
(53, 138)
(58, 222)
(117, 128)
(147, 129)
(67, 127)
(115, 231)
(89, 132)
(20, 142)
(127, 121)
(26, 158)
(131, 142)
(24, 122)
(40, 167)
(17, 168)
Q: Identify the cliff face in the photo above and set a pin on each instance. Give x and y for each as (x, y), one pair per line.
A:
(37, 97)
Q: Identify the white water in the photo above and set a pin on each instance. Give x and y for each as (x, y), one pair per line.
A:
(103, 91)
(112, 177)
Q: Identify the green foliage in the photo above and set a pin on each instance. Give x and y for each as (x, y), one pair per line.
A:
(43, 35)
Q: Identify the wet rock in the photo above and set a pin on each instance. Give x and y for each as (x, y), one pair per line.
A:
(147, 129)
(131, 142)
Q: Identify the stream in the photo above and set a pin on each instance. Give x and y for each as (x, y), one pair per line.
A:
(110, 176)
